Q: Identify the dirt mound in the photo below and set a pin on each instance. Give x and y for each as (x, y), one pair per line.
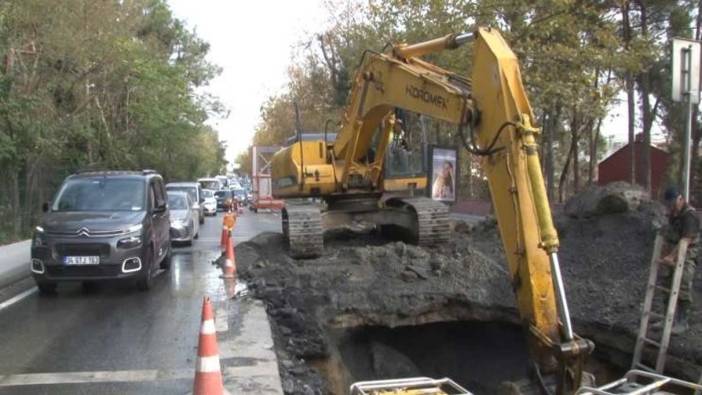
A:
(362, 279)
(617, 197)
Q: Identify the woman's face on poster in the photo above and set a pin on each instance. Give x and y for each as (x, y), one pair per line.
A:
(446, 170)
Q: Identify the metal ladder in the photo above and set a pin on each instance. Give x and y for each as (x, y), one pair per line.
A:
(644, 337)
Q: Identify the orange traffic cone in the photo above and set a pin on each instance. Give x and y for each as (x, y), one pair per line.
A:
(223, 239)
(229, 261)
(208, 374)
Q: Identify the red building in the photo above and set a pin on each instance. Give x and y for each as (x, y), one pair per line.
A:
(616, 166)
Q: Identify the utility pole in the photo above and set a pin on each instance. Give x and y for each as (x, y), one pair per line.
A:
(686, 88)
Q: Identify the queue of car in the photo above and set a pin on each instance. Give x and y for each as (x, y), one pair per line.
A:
(106, 225)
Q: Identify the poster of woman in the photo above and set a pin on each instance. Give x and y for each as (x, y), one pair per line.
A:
(443, 181)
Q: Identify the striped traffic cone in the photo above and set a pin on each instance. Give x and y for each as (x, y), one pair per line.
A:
(208, 374)
(223, 239)
(229, 267)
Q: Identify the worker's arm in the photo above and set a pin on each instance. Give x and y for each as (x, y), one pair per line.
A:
(669, 257)
(690, 230)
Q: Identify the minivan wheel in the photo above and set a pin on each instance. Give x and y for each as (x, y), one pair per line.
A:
(46, 288)
(202, 219)
(166, 262)
(145, 281)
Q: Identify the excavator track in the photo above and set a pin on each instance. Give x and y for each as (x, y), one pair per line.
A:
(432, 220)
(302, 228)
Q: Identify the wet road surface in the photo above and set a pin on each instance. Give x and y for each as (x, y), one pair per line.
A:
(115, 339)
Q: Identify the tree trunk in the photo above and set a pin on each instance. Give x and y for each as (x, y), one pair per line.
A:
(15, 202)
(550, 173)
(647, 113)
(630, 97)
(562, 182)
(594, 138)
(575, 139)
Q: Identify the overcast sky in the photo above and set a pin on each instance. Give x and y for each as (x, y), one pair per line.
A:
(253, 41)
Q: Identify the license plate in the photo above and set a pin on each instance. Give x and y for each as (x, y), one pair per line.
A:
(81, 260)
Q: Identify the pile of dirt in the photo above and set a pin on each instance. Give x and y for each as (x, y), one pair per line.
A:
(363, 279)
(617, 197)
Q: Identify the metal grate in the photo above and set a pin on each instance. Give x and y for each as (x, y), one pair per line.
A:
(415, 386)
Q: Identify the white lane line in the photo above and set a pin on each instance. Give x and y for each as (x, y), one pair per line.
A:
(116, 376)
(128, 376)
(17, 298)
(221, 320)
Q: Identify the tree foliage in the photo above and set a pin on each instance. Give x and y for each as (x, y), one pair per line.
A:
(98, 84)
(569, 52)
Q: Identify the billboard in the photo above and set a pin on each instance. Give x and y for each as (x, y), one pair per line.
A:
(443, 174)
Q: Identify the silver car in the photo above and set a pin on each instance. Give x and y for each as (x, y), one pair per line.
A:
(185, 225)
(195, 191)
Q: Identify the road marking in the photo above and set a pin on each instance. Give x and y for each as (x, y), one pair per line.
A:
(94, 377)
(128, 376)
(17, 298)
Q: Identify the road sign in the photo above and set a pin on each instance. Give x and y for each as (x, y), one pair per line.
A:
(686, 70)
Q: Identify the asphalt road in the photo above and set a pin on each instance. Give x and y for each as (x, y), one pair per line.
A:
(115, 339)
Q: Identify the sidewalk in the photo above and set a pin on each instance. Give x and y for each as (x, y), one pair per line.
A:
(14, 262)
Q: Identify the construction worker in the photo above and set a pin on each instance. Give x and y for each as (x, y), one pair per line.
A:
(229, 214)
(682, 224)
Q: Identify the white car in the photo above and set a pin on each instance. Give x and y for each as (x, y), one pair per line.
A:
(210, 203)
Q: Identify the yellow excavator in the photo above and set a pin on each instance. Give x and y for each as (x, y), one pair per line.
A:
(347, 182)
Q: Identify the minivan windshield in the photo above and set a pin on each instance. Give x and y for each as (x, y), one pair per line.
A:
(207, 193)
(177, 202)
(101, 194)
(192, 191)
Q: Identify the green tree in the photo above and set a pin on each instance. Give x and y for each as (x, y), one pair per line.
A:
(97, 85)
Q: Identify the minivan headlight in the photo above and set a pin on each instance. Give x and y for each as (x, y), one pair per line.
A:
(38, 240)
(129, 242)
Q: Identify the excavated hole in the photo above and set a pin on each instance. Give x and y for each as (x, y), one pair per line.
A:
(478, 355)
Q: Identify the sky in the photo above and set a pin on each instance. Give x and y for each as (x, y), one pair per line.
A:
(253, 42)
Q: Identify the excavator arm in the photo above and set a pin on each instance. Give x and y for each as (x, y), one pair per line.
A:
(522, 209)
(384, 83)
(495, 118)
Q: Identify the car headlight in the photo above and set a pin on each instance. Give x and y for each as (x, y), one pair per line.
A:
(129, 242)
(38, 239)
